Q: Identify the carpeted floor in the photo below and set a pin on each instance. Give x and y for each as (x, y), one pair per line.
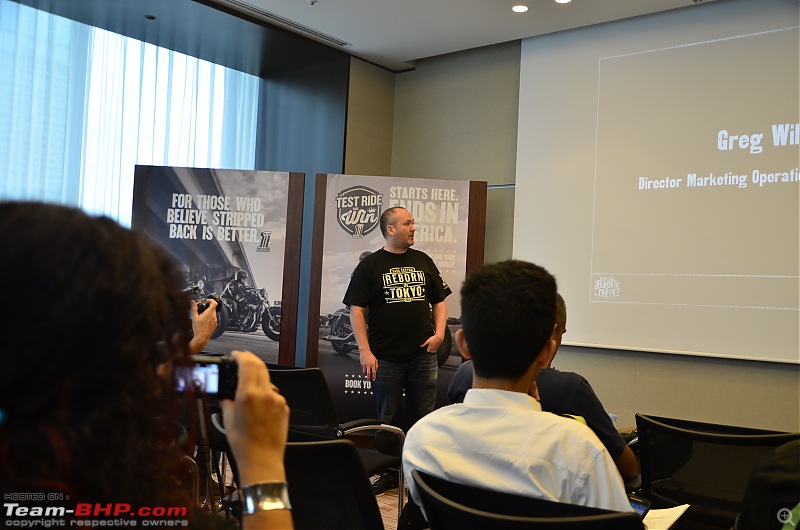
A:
(388, 505)
(387, 502)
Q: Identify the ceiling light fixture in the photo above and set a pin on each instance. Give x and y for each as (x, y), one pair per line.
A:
(563, 1)
(519, 8)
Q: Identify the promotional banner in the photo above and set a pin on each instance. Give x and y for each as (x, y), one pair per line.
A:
(353, 205)
(226, 231)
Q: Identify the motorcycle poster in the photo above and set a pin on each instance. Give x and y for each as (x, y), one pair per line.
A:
(226, 231)
(353, 205)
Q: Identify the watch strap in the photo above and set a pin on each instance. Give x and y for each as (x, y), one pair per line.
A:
(263, 496)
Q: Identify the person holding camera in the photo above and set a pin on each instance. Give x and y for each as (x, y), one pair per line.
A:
(88, 404)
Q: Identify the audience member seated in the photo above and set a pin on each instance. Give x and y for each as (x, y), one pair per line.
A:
(95, 324)
(565, 393)
(772, 496)
(500, 438)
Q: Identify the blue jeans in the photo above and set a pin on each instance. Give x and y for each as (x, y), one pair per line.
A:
(418, 378)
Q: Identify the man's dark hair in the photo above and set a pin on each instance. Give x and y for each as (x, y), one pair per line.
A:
(507, 315)
(388, 217)
(561, 312)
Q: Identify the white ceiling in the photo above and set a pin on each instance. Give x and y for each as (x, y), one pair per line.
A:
(395, 33)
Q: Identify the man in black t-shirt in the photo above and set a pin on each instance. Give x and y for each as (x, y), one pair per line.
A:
(400, 287)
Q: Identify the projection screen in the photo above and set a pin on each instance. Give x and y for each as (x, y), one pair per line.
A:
(658, 180)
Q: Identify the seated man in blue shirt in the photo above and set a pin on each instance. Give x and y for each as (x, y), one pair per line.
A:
(500, 438)
(565, 393)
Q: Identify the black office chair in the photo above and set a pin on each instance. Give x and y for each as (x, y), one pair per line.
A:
(329, 488)
(313, 418)
(704, 465)
(452, 506)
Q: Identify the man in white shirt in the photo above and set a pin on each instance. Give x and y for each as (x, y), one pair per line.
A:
(499, 438)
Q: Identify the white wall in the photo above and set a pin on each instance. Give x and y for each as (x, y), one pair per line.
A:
(456, 118)
(754, 394)
(370, 111)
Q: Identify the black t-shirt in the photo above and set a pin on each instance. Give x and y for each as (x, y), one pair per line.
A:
(397, 290)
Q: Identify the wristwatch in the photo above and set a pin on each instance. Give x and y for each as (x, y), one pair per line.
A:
(263, 496)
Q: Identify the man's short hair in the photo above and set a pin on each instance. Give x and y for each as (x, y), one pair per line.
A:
(561, 312)
(507, 315)
(388, 217)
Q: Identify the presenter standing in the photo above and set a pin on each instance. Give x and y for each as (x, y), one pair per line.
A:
(395, 290)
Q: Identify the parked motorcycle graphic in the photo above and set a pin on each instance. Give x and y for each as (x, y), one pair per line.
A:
(243, 308)
(249, 309)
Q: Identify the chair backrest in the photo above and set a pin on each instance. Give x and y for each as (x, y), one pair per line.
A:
(329, 488)
(449, 505)
(701, 464)
(309, 398)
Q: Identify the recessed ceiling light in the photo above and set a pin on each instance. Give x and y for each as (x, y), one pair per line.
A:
(519, 8)
(563, 1)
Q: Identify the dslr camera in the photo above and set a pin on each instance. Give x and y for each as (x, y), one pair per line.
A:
(203, 304)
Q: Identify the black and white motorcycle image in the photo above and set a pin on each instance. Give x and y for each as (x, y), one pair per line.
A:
(341, 334)
(197, 291)
(247, 308)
